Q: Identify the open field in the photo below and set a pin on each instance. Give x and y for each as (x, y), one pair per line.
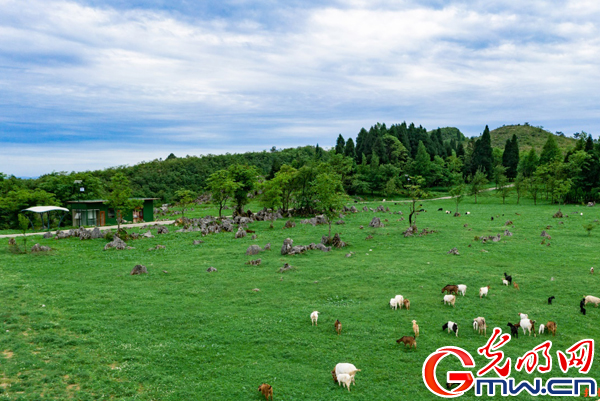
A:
(75, 324)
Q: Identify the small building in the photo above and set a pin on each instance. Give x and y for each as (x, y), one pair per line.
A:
(95, 212)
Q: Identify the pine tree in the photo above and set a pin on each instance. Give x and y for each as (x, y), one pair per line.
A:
(483, 154)
(349, 150)
(530, 163)
(339, 146)
(550, 151)
(422, 164)
(510, 157)
(360, 144)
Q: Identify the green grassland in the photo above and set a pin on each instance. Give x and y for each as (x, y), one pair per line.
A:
(528, 137)
(74, 324)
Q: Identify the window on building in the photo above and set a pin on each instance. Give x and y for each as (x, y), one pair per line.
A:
(111, 213)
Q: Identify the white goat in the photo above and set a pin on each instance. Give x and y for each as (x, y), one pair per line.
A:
(314, 317)
(400, 300)
(449, 299)
(483, 291)
(346, 378)
(541, 329)
(393, 303)
(526, 323)
(345, 368)
(592, 299)
(480, 325)
(505, 282)
(462, 289)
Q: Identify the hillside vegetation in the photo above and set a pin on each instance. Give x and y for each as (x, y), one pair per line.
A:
(529, 137)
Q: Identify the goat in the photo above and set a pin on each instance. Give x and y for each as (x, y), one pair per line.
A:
(516, 286)
(314, 317)
(483, 291)
(400, 300)
(346, 379)
(462, 289)
(550, 300)
(451, 289)
(480, 325)
(266, 390)
(448, 212)
(527, 325)
(440, 209)
(451, 326)
(393, 303)
(468, 213)
(344, 368)
(338, 326)
(551, 327)
(582, 303)
(449, 299)
(508, 278)
(541, 329)
(592, 299)
(415, 328)
(592, 270)
(407, 304)
(514, 329)
(582, 310)
(408, 340)
(505, 282)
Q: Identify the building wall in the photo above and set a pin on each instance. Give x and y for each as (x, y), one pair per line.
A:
(148, 210)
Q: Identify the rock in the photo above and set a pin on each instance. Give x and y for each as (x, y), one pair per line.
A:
(340, 222)
(337, 242)
(147, 234)
(365, 209)
(267, 247)
(380, 208)
(375, 223)
(227, 225)
(256, 289)
(288, 244)
(139, 269)
(286, 267)
(134, 235)
(197, 242)
(254, 236)
(241, 233)
(84, 234)
(253, 250)
(360, 228)
(353, 209)
(591, 204)
(116, 243)
(508, 223)
(369, 237)
(211, 269)
(321, 219)
(157, 247)
(507, 233)
(40, 248)
(453, 251)
(96, 233)
(456, 214)
(256, 262)
(558, 214)
(162, 230)
(48, 235)
(410, 231)
(289, 224)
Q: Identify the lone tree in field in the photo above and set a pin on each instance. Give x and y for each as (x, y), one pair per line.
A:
(330, 195)
(477, 183)
(185, 197)
(414, 190)
(222, 188)
(246, 177)
(118, 198)
(457, 190)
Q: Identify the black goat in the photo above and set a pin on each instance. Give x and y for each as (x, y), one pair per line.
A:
(514, 330)
(508, 278)
(550, 300)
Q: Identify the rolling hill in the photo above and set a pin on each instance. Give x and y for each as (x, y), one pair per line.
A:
(529, 137)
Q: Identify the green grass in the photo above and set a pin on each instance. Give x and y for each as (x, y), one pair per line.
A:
(193, 335)
(528, 137)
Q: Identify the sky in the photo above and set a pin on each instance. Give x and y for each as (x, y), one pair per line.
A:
(89, 84)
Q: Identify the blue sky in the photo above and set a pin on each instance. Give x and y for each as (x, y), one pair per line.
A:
(89, 84)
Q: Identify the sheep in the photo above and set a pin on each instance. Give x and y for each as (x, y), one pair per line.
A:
(541, 329)
(514, 329)
(314, 317)
(415, 328)
(592, 299)
(338, 326)
(483, 291)
(505, 282)
(393, 303)
(462, 289)
(516, 286)
(408, 340)
(508, 278)
(449, 299)
(400, 300)
(480, 325)
(407, 304)
(550, 300)
(551, 327)
(451, 326)
(451, 289)
(347, 378)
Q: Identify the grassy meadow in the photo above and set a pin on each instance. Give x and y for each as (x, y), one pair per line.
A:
(75, 325)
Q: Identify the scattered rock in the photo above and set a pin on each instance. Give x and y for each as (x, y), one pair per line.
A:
(289, 224)
(551, 278)
(148, 234)
(340, 222)
(166, 272)
(360, 228)
(255, 289)
(116, 243)
(254, 262)
(253, 250)
(369, 237)
(241, 233)
(508, 223)
(211, 269)
(267, 247)
(410, 231)
(197, 242)
(545, 234)
(507, 233)
(456, 214)
(254, 236)
(139, 269)
(286, 267)
(558, 214)
(157, 247)
(48, 235)
(591, 204)
(453, 251)
(40, 248)
(466, 225)
(375, 223)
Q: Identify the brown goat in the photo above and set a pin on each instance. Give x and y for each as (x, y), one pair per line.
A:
(407, 304)
(551, 326)
(267, 390)
(338, 326)
(451, 289)
(408, 340)
(516, 286)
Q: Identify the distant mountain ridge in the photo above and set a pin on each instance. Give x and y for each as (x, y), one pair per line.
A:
(528, 137)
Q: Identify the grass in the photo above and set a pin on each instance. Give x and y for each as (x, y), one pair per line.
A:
(75, 324)
(528, 137)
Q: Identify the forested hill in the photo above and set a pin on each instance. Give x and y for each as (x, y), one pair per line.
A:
(528, 137)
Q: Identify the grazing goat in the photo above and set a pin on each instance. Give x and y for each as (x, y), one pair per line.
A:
(582, 303)
(393, 303)
(550, 300)
(592, 270)
(592, 299)
(266, 390)
(407, 304)
(449, 299)
(468, 213)
(314, 317)
(505, 282)
(462, 289)
(451, 326)
(480, 325)
(483, 291)
(344, 368)
(440, 209)
(541, 329)
(516, 286)
(451, 289)
(408, 340)
(551, 326)
(582, 310)
(448, 212)
(527, 325)
(338, 326)
(415, 328)
(346, 378)
(508, 278)
(514, 329)
(400, 300)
